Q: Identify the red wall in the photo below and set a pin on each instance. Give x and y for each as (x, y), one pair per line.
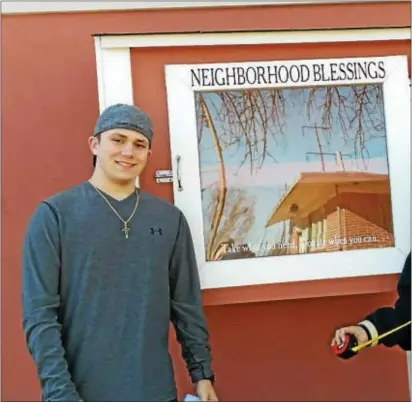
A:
(263, 351)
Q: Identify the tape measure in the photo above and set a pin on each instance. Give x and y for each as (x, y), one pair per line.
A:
(350, 347)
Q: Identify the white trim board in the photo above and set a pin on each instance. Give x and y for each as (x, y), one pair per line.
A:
(22, 7)
(108, 41)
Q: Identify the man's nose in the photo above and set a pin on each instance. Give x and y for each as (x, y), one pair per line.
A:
(128, 149)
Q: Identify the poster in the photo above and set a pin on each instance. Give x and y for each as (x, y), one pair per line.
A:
(292, 170)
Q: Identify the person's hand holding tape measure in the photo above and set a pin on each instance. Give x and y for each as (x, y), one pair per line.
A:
(356, 330)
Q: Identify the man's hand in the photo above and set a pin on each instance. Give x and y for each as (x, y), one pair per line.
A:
(205, 391)
(359, 333)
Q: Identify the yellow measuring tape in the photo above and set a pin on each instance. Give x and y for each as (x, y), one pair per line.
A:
(364, 345)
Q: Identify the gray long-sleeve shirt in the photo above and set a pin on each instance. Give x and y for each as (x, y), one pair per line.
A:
(97, 306)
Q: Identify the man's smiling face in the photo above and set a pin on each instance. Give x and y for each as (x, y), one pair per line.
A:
(121, 153)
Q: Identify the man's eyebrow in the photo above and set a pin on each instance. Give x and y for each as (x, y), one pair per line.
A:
(118, 134)
(143, 140)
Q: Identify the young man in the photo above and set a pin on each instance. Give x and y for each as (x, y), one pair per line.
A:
(106, 267)
(385, 319)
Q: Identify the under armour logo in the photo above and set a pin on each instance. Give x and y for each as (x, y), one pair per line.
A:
(158, 231)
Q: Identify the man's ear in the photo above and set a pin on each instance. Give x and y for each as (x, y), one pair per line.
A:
(93, 145)
(149, 153)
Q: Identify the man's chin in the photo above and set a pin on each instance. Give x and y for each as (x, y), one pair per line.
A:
(126, 178)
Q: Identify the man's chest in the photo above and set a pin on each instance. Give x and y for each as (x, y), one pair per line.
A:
(140, 249)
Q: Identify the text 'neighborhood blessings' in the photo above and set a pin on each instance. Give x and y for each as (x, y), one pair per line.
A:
(283, 74)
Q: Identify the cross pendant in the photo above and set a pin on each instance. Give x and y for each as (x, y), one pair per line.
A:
(126, 231)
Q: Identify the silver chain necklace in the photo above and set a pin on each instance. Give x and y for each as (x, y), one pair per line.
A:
(126, 229)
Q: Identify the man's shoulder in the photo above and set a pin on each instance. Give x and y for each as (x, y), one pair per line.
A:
(65, 197)
(159, 203)
(51, 208)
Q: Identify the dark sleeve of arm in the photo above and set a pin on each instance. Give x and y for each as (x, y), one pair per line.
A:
(385, 319)
(40, 298)
(186, 306)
